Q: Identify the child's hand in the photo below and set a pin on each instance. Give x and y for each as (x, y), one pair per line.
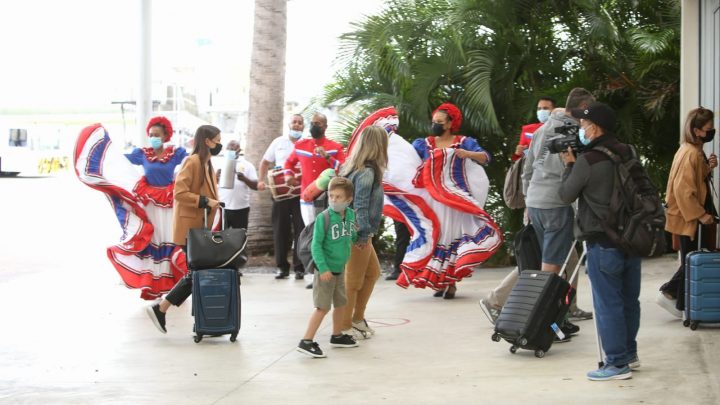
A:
(327, 276)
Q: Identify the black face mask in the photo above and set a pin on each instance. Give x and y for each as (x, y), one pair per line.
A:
(709, 136)
(437, 129)
(316, 132)
(216, 149)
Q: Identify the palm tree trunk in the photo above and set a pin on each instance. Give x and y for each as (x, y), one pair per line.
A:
(265, 112)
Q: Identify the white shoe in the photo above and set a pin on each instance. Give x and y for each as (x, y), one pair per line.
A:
(364, 328)
(358, 335)
(668, 304)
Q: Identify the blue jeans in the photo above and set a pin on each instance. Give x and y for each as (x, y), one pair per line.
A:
(615, 279)
(554, 229)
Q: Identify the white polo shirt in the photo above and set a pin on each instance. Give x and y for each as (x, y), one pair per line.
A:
(238, 197)
(279, 150)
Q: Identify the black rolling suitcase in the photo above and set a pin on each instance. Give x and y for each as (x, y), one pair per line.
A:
(534, 310)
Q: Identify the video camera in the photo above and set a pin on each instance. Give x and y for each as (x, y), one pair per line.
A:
(570, 131)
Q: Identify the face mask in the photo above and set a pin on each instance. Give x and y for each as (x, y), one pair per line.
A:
(155, 142)
(316, 132)
(543, 115)
(338, 206)
(583, 139)
(437, 129)
(216, 149)
(295, 134)
(709, 135)
(230, 154)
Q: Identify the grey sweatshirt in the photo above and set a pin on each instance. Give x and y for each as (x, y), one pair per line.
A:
(542, 172)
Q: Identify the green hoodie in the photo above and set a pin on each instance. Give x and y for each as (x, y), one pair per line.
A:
(331, 250)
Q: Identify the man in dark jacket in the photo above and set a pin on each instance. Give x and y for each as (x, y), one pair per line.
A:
(614, 275)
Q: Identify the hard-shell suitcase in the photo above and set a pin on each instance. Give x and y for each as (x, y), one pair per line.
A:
(534, 309)
(702, 286)
(216, 303)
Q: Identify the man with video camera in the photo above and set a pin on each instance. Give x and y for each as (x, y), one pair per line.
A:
(614, 274)
(551, 217)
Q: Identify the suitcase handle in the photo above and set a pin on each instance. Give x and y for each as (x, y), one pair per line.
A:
(221, 208)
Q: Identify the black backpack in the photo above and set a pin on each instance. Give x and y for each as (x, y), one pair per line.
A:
(304, 243)
(636, 223)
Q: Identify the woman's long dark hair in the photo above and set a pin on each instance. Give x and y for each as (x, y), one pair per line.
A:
(200, 148)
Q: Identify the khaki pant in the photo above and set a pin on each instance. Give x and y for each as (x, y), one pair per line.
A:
(361, 273)
(499, 295)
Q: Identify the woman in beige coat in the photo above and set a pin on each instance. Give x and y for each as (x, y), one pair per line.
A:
(688, 199)
(195, 191)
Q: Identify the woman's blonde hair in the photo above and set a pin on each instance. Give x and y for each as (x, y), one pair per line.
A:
(696, 118)
(370, 150)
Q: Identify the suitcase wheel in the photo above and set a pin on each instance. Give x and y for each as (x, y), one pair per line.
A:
(197, 338)
(693, 325)
(539, 354)
(233, 337)
(495, 337)
(686, 323)
(522, 341)
(513, 349)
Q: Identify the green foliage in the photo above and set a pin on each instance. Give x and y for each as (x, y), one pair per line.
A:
(494, 58)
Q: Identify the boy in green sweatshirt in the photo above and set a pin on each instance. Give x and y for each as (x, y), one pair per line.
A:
(330, 251)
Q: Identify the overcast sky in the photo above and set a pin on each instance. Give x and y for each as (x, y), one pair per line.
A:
(83, 53)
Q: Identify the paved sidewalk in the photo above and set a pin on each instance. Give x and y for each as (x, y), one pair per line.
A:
(72, 334)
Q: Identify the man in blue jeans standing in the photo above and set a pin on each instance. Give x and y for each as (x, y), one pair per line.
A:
(614, 275)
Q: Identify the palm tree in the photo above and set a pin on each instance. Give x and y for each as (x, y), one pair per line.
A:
(493, 58)
(265, 112)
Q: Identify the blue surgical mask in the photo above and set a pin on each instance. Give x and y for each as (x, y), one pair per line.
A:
(230, 154)
(155, 142)
(295, 134)
(583, 139)
(543, 115)
(339, 206)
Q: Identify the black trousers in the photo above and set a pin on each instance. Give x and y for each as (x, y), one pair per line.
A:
(676, 286)
(237, 218)
(287, 224)
(402, 240)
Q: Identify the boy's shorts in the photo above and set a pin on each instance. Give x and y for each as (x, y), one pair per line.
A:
(329, 292)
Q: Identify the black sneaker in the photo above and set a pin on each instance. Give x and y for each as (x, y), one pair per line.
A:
(343, 341)
(567, 338)
(299, 275)
(310, 348)
(309, 286)
(157, 316)
(393, 276)
(569, 329)
(281, 274)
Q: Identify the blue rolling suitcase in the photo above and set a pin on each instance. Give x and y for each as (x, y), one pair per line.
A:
(702, 288)
(216, 303)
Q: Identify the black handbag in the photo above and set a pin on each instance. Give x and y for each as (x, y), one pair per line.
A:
(528, 253)
(223, 249)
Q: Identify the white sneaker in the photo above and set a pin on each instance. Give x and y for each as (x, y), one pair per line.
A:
(668, 304)
(355, 334)
(364, 328)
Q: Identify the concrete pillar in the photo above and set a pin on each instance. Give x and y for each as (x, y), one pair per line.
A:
(689, 58)
(143, 105)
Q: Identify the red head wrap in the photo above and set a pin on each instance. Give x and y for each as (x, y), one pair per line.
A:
(454, 114)
(163, 122)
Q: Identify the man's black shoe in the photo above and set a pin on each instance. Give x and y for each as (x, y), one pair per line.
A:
(569, 329)
(281, 274)
(299, 275)
(393, 276)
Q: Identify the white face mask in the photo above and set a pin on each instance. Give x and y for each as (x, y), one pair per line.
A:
(543, 115)
(338, 206)
(295, 134)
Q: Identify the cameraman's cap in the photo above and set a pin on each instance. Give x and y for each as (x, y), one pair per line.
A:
(599, 113)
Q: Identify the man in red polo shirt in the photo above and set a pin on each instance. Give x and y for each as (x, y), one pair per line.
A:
(545, 106)
(314, 155)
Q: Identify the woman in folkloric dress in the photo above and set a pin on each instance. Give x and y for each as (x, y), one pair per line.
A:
(437, 187)
(146, 257)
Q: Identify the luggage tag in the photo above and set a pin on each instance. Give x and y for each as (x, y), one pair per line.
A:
(557, 331)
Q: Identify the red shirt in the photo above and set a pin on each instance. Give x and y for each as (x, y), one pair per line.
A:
(526, 134)
(312, 164)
